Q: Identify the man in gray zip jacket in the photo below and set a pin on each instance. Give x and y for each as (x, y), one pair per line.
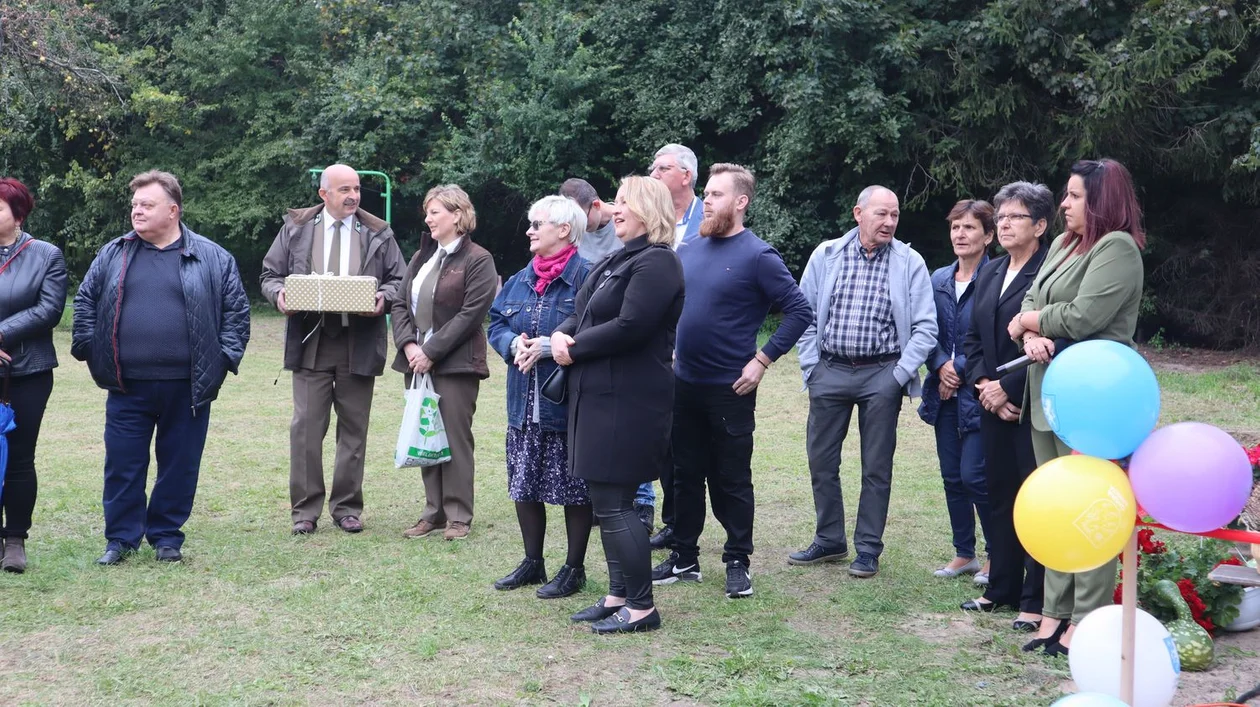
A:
(874, 326)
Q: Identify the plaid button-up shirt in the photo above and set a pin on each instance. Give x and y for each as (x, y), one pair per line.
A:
(861, 324)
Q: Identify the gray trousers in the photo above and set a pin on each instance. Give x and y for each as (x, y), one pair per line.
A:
(834, 389)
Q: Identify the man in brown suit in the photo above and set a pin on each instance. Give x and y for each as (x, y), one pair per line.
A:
(335, 358)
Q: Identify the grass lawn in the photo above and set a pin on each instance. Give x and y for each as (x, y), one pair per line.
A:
(256, 616)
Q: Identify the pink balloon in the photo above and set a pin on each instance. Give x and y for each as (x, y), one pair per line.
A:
(1191, 477)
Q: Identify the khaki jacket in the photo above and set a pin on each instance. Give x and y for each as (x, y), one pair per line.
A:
(378, 256)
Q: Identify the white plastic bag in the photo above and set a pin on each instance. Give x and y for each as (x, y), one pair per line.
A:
(422, 437)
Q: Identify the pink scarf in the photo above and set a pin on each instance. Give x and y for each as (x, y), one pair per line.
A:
(548, 269)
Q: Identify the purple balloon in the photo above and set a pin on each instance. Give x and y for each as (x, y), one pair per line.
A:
(1191, 477)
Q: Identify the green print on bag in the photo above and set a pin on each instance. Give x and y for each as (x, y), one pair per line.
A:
(422, 437)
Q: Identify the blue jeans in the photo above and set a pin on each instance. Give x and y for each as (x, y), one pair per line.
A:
(130, 421)
(962, 469)
(646, 495)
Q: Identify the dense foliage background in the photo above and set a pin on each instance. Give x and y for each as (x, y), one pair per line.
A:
(937, 99)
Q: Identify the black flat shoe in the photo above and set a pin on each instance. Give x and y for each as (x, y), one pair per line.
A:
(1036, 643)
(595, 612)
(987, 607)
(1025, 626)
(1056, 648)
(620, 622)
(530, 571)
(114, 556)
(567, 582)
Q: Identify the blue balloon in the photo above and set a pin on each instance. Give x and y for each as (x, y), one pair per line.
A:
(1101, 398)
(1090, 699)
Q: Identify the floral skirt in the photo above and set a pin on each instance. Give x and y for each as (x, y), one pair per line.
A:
(538, 468)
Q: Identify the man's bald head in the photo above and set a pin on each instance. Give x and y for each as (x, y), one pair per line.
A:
(877, 212)
(339, 188)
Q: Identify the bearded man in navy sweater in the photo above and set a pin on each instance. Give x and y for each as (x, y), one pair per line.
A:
(733, 279)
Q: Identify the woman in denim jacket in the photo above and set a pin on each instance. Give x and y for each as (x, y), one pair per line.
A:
(948, 404)
(532, 303)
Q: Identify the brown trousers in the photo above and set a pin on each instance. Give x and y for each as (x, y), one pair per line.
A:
(325, 385)
(448, 488)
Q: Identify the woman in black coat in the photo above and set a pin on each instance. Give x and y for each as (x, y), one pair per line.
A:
(1024, 212)
(619, 348)
(32, 298)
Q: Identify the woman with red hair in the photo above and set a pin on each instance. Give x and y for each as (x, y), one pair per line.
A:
(1089, 287)
(32, 298)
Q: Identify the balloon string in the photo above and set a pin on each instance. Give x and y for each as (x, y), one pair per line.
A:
(1238, 536)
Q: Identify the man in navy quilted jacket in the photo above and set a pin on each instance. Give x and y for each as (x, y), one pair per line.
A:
(161, 317)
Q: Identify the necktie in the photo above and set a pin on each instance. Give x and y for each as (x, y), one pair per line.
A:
(332, 322)
(424, 302)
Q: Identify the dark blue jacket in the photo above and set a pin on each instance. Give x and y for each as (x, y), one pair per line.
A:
(216, 305)
(512, 314)
(953, 318)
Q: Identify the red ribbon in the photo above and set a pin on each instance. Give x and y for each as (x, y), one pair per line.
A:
(1237, 536)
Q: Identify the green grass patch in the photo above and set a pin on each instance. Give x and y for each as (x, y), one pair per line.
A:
(256, 616)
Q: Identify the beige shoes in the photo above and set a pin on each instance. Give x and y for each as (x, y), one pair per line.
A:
(456, 530)
(422, 529)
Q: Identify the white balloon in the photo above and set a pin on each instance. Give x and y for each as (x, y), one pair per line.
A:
(1094, 657)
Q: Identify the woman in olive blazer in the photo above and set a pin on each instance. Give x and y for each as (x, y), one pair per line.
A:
(1089, 287)
(619, 347)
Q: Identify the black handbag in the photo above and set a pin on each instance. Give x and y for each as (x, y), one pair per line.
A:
(555, 388)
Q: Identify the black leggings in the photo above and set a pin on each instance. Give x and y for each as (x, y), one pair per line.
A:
(29, 395)
(625, 543)
(532, 516)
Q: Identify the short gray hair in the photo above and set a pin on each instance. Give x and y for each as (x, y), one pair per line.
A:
(685, 157)
(864, 197)
(560, 210)
(1035, 197)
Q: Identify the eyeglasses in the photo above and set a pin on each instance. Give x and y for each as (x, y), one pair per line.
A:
(1000, 218)
(537, 225)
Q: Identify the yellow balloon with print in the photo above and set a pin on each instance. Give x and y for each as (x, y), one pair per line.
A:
(1075, 513)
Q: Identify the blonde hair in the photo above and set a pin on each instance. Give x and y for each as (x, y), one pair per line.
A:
(649, 200)
(452, 197)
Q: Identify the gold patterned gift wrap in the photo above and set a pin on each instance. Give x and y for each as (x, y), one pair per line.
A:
(330, 293)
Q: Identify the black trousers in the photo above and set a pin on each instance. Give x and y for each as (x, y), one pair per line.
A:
(29, 396)
(626, 544)
(712, 444)
(1015, 579)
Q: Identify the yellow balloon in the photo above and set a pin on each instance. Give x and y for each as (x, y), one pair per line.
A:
(1075, 513)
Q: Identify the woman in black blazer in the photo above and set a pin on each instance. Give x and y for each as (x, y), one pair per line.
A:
(1024, 212)
(619, 346)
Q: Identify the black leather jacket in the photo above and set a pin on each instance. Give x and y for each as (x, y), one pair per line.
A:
(217, 307)
(32, 298)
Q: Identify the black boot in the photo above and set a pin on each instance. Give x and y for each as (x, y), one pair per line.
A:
(530, 571)
(567, 582)
(647, 514)
(662, 540)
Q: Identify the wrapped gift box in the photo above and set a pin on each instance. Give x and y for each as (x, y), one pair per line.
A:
(330, 293)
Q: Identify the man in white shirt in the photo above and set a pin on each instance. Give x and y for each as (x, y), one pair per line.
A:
(677, 168)
(335, 358)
